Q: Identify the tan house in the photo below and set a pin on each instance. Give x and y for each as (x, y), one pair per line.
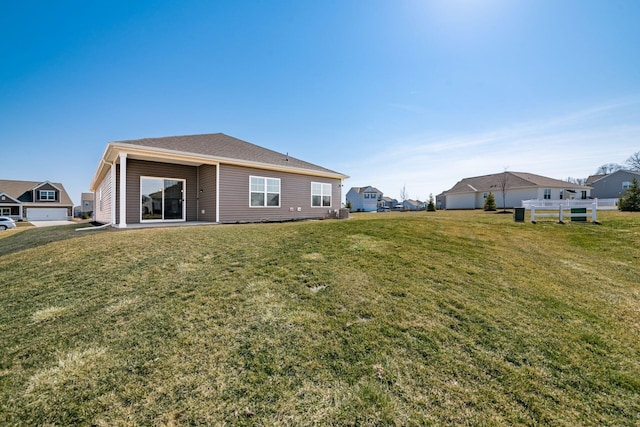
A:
(34, 201)
(208, 178)
(470, 193)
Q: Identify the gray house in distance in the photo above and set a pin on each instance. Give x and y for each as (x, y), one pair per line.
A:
(613, 185)
(208, 178)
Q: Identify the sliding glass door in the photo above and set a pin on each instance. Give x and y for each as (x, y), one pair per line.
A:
(162, 199)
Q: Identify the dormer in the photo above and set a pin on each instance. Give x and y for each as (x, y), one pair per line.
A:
(45, 192)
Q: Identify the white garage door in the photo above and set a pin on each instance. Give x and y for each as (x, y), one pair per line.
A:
(46, 214)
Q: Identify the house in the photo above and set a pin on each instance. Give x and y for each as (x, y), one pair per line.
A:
(86, 206)
(613, 185)
(34, 201)
(441, 201)
(413, 205)
(208, 178)
(387, 203)
(470, 193)
(364, 199)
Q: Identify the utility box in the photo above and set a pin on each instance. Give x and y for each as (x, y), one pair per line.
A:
(343, 213)
(518, 214)
(579, 211)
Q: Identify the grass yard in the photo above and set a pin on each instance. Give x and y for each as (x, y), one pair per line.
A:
(385, 319)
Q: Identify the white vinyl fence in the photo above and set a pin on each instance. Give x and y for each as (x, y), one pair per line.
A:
(571, 203)
(564, 211)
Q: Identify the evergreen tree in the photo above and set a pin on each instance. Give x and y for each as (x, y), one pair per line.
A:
(490, 203)
(631, 200)
(431, 206)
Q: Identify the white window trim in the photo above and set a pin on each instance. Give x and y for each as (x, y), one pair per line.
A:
(48, 192)
(322, 184)
(266, 191)
(626, 185)
(184, 200)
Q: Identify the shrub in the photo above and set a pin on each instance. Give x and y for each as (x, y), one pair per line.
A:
(630, 201)
(431, 206)
(490, 203)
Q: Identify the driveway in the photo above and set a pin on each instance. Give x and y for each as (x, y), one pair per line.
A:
(50, 223)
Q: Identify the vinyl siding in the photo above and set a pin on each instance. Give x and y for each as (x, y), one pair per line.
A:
(104, 215)
(207, 200)
(295, 192)
(610, 186)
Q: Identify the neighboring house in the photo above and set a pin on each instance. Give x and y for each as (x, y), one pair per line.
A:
(85, 207)
(208, 178)
(34, 201)
(471, 192)
(613, 185)
(364, 199)
(387, 203)
(413, 205)
(441, 201)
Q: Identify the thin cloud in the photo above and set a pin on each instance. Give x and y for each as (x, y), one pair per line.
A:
(571, 145)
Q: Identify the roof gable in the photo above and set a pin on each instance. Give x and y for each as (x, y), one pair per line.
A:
(618, 172)
(367, 189)
(6, 198)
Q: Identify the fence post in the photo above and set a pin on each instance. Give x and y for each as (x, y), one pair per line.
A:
(533, 214)
(594, 208)
(560, 213)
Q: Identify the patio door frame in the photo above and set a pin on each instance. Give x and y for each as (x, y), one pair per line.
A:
(183, 199)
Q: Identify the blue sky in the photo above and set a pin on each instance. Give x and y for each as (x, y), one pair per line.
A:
(393, 93)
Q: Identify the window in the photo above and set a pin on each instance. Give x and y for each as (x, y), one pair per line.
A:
(547, 194)
(561, 194)
(264, 192)
(484, 195)
(5, 211)
(47, 195)
(626, 185)
(320, 194)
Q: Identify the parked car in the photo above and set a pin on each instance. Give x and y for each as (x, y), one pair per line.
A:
(6, 222)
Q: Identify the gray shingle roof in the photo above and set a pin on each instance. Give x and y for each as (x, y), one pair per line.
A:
(363, 189)
(487, 183)
(224, 146)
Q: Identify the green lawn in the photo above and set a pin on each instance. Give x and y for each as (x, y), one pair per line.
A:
(384, 319)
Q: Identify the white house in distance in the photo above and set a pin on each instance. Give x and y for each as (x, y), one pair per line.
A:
(470, 193)
(364, 199)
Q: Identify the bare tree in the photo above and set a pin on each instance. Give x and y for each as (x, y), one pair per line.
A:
(634, 161)
(608, 168)
(578, 181)
(503, 181)
(403, 193)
